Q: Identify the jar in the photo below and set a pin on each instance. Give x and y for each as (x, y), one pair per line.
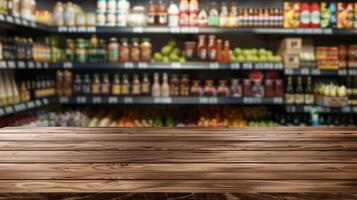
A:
(101, 19)
(209, 89)
(122, 19)
(111, 19)
(81, 19)
(135, 50)
(190, 48)
(184, 86)
(81, 51)
(90, 19)
(124, 51)
(258, 89)
(196, 88)
(236, 88)
(247, 88)
(279, 88)
(269, 88)
(102, 5)
(113, 48)
(111, 5)
(222, 89)
(58, 14)
(146, 50)
(123, 6)
(174, 86)
(137, 17)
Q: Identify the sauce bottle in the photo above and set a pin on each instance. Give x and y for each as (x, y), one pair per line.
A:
(86, 88)
(173, 13)
(105, 89)
(124, 52)
(223, 17)
(315, 15)
(146, 50)
(305, 17)
(213, 16)
(219, 57)
(226, 52)
(136, 87)
(135, 50)
(233, 16)
(162, 13)
(113, 49)
(202, 48)
(116, 88)
(96, 84)
(145, 88)
(77, 86)
(125, 86)
(202, 19)
(165, 87)
(152, 13)
(156, 89)
(212, 50)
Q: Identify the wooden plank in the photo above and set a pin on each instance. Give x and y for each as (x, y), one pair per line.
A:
(249, 186)
(178, 171)
(187, 145)
(179, 137)
(177, 156)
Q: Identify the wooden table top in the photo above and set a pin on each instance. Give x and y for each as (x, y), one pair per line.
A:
(249, 160)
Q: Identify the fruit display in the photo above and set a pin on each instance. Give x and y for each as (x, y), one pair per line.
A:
(169, 53)
(254, 56)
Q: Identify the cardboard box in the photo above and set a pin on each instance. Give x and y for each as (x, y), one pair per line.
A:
(290, 46)
(291, 61)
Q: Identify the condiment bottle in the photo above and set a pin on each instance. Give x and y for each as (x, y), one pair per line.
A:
(124, 50)
(226, 53)
(202, 48)
(236, 88)
(223, 89)
(173, 13)
(152, 13)
(213, 15)
(135, 50)
(165, 87)
(209, 89)
(125, 86)
(145, 88)
(77, 86)
(193, 6)
(162, 12)
(96, 85)
(220, 56)
(223, 17)
(58, 14)
(196, 88)
(86, 86)
(69, 15)
(212, 50)
(184, 86)
(156, 89)
(146, 50)
(113, 49)
(233, 16)
(136, 87)
(305, 17)
(315, 15)
(202, 20)
(174, 86)
(105, 89)
(116, 87)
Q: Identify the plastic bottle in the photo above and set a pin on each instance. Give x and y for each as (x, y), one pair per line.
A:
(173, 13)
(58, 14)
(165, 88)
(315, 15)
(156, 89)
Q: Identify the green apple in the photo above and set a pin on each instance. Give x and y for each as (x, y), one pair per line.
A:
(172, 43)
(241, 58)
(263, 58)
(237, 51)
(166, 59)
(158, 57)
(166, 50)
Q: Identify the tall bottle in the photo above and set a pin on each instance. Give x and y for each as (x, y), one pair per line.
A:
(116, 86)
(212, 50)
(105, 86)
(309, 95)
(213, 15)
(86, 85)
(289, 94)
(77, 85)
(156, 89)
(96, 85)
(165, 87)
(223, 17)
(173, 12)
(299, 93)
(202, 48)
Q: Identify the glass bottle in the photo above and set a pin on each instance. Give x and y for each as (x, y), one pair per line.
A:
(105, 89)
(196, 88)
(309, 96)
(113, 50)
(299, 93)
(213, 15)
(116, 87)
(184, 86)
(165, 87)
(202, 48)
(226, 52)
(223, 17)
(77, 86)
(96, 85)
(125, 86)
(135, 50)
(145, 90)
(174, 86)
(136, 87)
(223, 89)
(219, 56)
(156, 88)
(289, 95)
(212, 50)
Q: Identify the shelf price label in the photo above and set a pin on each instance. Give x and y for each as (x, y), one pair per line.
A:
(21, 64)
(128, 100)
(128, 65)
(162, 100)
(252, 100)
(67, 65)
(45, 101)
(354, 109)
(353, 72)
(138, 30)
(62, 29)
(342, 72)
(81, 100)
(235, 66)
(9, 110)
(17, 21)
(45, 65)
(259, 66)
(305, 71)
(91, 29)
(2, 65)
(176, 65)
(11, 64)
(278, 100)
(248, 66)
(2, 112)
(268, 65)
(2, 17)
(64, 100)
(175, 30)
(33, 24)
(214, 65)
(82, 29)
(316, 72)
(30, 65)
(278, 66)
(72, 29)
(25, 22)
(30, 105)
(289, 71)
(9, 19)
(208, 100)
(38, 103)
(38, 65)
(143, 65)
(97, 100)
(113, 100)
(346, 109)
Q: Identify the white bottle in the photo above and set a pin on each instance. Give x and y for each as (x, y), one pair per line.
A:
(156, 89)
(165, 88)
(173, 13)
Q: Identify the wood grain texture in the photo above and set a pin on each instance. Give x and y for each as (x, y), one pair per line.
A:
(231, 161)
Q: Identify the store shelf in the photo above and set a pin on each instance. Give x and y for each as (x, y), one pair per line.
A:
(166, 100)
(320, 109)
(27, 65)
(12, 109)
(11, 22)
(320, 72)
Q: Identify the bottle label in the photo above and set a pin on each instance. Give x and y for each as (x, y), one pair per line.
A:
(203, 54)
(163, 18)
(315, 17)
(105, 88)
(305, 17)
(299, 98)
(95, 88)
(136, 89)
(289, 98)
(116, 90)
(212, 54)
(309, 99)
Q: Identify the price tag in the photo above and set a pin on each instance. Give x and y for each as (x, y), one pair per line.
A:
(21, 64)
(33, 24)
(30, 105)
(176, 65)
(307, 109)
(259, 66)
(67, 65)
(19, 107)
(45, 65)
(208, 100)
(2, 17)
(97, 100)
(91, 29)
(235, 66)
(247, 66)
(317, 31)
(62, 29)
(2, 64)
(9, 110)
(45, 101)
(18, 21)
(25, 23)
(291, 109)
(355, 109)
(213, 100)
(164, 100)
(9, 19)
(249, 100)
(268, 65)
(64, 100)
(278, 66)
(214, 66)
(38, 65)
(346, 109)
(278, 100)
(11, 64)
(289, 71)
(342, 72)
(113, 100)
(316, 72)
(138, 30)
(81, 100)
(30, 65)
(305, 71)
(327, 31)
(175, 30)
(353, 72)
(38, 103)
(128, 100)
(143, 65)
(203, 100)
(72, 29)
(82, 29)
(2, 112)
(128, 65)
